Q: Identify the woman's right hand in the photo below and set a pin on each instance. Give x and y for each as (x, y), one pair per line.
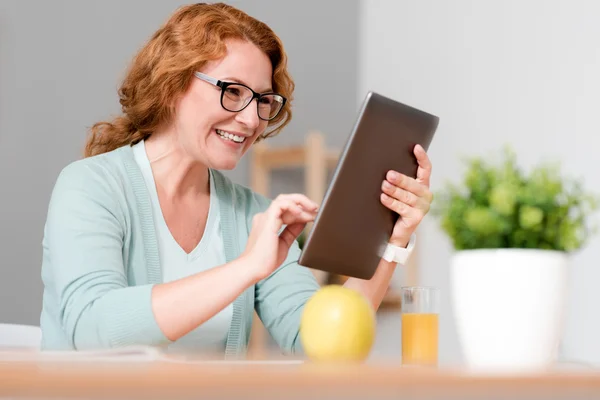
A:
(267, 248)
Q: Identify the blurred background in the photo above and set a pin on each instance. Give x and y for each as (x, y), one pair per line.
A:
(526, 73)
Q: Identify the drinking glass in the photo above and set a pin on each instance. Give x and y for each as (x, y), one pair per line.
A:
(420, 325)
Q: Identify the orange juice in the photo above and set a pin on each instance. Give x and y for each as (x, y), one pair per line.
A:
(420, 338)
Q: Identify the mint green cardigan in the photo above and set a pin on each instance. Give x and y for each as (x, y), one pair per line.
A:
(100, 261)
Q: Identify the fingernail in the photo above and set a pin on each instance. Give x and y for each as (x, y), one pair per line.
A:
(393, 176)
(386, 185)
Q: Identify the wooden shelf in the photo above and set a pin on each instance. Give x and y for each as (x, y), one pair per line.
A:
(289, 157)
(391, 301)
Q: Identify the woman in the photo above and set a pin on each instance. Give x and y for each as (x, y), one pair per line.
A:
(146, 241)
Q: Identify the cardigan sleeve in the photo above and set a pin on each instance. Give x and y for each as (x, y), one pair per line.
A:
(280, 298)
(84, 236)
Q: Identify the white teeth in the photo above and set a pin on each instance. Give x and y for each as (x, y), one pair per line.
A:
(227, 135)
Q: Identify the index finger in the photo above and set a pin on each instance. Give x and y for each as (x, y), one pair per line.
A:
(424, 170)
(287, 211)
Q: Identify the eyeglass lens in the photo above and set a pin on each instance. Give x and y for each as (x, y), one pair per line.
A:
(236, 97)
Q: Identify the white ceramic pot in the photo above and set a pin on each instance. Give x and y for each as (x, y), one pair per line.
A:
(508, 306)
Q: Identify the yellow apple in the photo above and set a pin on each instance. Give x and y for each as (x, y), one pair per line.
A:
(337, 325)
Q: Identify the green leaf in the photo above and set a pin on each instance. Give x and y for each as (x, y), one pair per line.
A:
(531, 218)
(503, 198)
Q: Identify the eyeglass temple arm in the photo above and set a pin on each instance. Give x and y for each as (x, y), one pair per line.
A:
(207, 78)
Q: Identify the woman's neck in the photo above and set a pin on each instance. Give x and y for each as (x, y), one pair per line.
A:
(175, 173)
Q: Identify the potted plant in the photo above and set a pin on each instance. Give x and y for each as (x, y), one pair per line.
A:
(512, 234)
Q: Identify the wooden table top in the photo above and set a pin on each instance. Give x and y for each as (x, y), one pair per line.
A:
(277, 380)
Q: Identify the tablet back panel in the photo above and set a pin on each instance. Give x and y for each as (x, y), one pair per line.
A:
(353, 227)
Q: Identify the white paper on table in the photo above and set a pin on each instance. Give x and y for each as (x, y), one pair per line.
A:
(129, 354)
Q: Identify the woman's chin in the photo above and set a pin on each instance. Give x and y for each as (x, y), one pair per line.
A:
(224, 163)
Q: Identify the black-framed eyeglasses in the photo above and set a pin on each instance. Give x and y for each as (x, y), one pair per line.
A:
(236, 96)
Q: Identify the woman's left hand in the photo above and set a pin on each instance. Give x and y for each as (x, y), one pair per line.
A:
(409, 197)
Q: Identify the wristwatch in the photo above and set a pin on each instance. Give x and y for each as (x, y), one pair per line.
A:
(398, 254)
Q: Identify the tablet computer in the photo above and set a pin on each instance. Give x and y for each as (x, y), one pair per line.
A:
(352, 227)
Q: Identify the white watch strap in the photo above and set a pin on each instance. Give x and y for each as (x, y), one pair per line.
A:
(398, 254)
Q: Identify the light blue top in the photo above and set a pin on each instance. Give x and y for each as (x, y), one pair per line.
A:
(101, 260)
(211, 336)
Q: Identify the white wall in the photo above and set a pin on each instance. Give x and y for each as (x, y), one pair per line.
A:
(496, 72)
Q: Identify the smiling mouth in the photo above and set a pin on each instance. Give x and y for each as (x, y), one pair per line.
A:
(229, 136)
